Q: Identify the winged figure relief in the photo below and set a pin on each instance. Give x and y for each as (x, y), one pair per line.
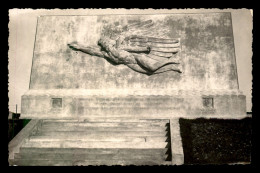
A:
(139, 46)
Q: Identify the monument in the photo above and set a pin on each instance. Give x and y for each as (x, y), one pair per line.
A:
(109, 89)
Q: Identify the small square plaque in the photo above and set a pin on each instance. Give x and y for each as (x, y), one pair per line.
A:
(56, 102)
(208, 102)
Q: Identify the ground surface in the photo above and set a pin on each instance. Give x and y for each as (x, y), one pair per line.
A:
(215, 141)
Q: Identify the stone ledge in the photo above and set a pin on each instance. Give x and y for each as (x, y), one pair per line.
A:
(127, 92)
(176, 142)
(126, 117)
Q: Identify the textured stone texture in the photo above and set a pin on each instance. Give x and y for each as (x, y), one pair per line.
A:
(207, 53)
(82, 104)
(67, 84)
(176, 143)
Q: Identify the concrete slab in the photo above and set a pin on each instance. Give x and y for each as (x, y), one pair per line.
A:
(85, 128)
(122, 151)
(88, 162)
(207, 53)
(108, 138)
(176, 143)
(102, 133)
(72, 156)
(142, 104)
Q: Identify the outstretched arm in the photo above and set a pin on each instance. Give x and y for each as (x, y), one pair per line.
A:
(89, 50)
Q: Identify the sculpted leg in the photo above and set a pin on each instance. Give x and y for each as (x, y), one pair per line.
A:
(150, 64)
(137, 68)
(172, 67)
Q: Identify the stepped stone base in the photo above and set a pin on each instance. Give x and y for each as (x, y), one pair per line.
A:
(111, 142)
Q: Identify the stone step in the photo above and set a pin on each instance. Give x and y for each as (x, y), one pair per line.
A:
(93, 133)
(80, 156)
(83, 144)
(100, 138)
(82, 127)
(34, 162)
(96, 142)
(111, 120)
(123, 151)
(108, 124)
(93, 120)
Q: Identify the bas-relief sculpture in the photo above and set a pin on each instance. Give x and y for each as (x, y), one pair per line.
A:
(167, 64)
(144, 54)
(190, 69)
(201, 48)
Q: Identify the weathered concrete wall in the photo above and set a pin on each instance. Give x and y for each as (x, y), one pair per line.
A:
(207, 54)
(81, 104)
(69, 84)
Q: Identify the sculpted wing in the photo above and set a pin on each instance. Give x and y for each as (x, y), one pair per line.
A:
(136, 47)
(147, 37)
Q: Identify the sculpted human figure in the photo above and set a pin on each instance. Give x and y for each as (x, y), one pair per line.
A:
(148, 55)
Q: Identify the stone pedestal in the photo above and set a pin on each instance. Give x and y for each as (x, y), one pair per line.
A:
(153, 103)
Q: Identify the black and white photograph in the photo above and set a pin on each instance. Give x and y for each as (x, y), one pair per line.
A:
(91, 87)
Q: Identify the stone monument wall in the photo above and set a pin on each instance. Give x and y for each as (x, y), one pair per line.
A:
(72, 84)
(206, 53)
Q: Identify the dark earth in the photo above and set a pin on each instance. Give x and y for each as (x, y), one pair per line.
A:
(216, 141)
